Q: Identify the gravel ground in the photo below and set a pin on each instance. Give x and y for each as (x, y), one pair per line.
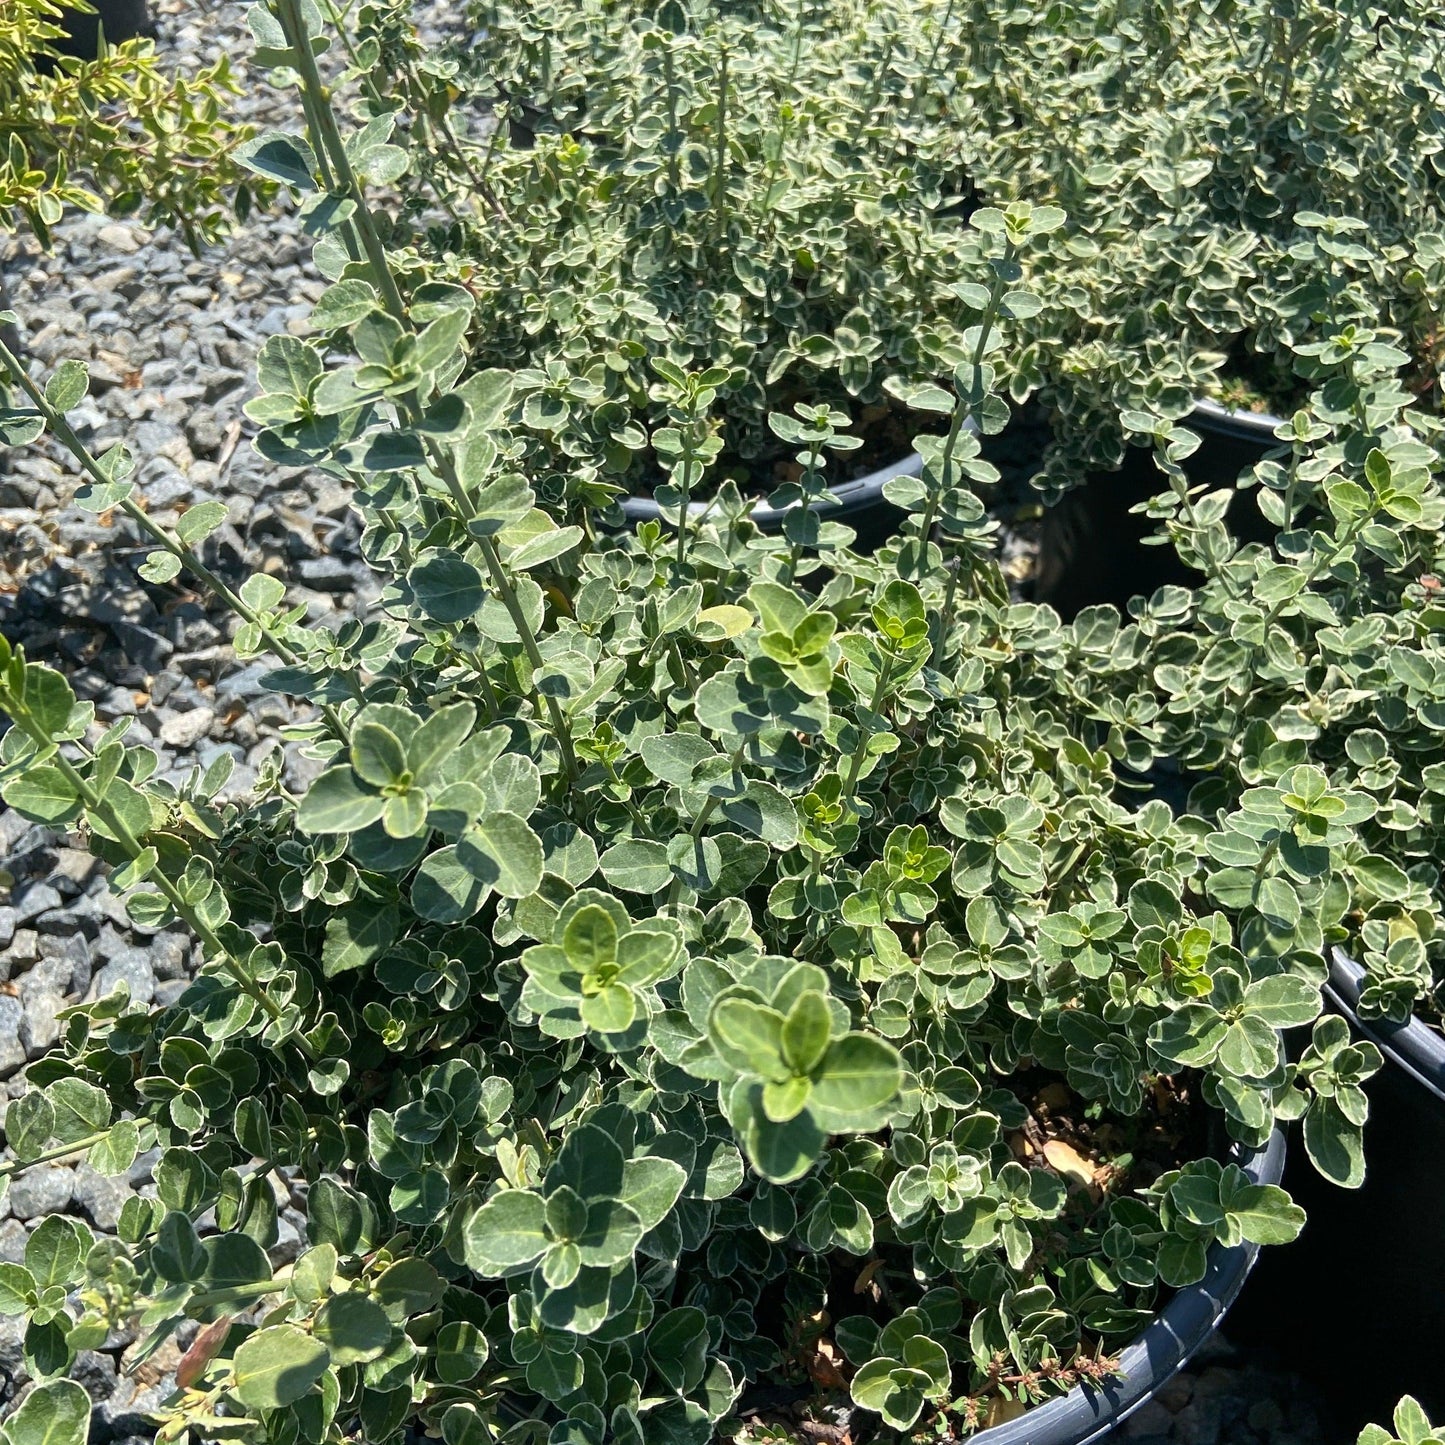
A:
(171, 341)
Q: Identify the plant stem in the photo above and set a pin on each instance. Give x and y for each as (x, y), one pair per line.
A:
(61, 1151)
(860, 751)
(673, 177)
(323, 120)
(720, 182)
(56, 423)
(327, 136)
(704, 816)
(97, 805)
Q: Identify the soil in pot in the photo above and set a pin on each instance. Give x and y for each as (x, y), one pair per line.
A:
(1098, 1156)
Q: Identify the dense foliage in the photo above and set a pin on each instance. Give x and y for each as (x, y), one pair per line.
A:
(773, 193)
(1242, 177)
(118, 132)
(705, 960)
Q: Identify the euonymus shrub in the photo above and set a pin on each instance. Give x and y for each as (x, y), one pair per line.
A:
(1232, 172)
(701, 958)
(1323, 653)
(771, 194)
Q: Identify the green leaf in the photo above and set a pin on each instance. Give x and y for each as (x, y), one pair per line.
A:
(461, 1351)
(160, 567)
(67, 385)
(54, 1251)
(29, 1124)
(646, 955)
(343, 304)
(446, 588)
(376, 754)
(856, 1083)
(445, 890)
(590, 938)
(636, 865)
(337, 803)
(1333, 1144)
(53, 1413)
(610, 1010)
(806, 1031)
(749, 1036)
(197, 523)
(16, 1289)
(276, 1366)
(1265, 1214)
(357, 934)
(508, 1232)
(438, 738)
(612, 1233)
(501, 850)
(43, 794)
(353, 1328)
(178, 1254)
(282, 157)
(766, 812)
(1283, 1001)
(677, 1345)
(117, 1151)
(650, 1187)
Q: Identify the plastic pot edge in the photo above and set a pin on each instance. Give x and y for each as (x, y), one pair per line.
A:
(1413, 1046)
(1088, 1413)
(847, 498)
(1246, 426)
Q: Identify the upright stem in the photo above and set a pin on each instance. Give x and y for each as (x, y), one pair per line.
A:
(860, 751)
(323, 120)
(327, 136)
(720, 182)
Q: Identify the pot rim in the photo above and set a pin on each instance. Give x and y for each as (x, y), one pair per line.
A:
(1089, 1412)
(1412, 1046)
(846, 498)
(1219, 420)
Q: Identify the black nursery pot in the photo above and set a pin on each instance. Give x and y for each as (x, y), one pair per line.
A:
(120, 20)
(859, 504)
(1089, 1412)
(1092, 548)
(1357, 1303)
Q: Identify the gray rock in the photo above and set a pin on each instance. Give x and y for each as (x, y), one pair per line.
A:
(170, 956)
(287, 1246)
(328, 574)
(46, 1189)
(184, 730)
(139, 1173)
(100, 1196)
(7, 925)
(37, 899)
(133, 969)
(12, 1051)
(129, 1409)
(96, 1374)
(13, 1235)
(12, 1346)
(74, 951)
(42, 996)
